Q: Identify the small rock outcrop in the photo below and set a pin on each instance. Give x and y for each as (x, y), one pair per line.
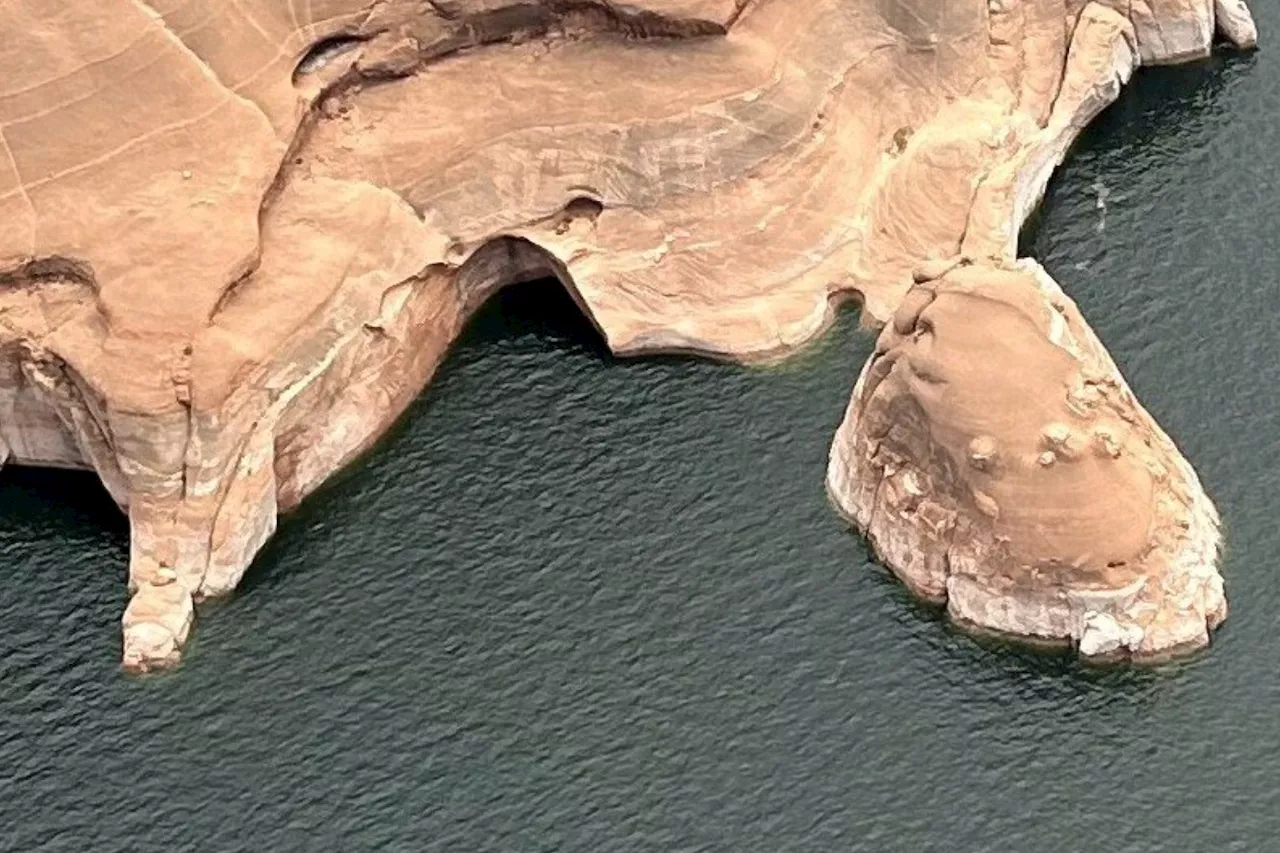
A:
(238, 236)
(1000, 465)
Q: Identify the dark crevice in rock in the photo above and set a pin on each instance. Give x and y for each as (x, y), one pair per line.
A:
(48, 269)
(541, 307)
(507, 261)
(324, 52)
(39, 496)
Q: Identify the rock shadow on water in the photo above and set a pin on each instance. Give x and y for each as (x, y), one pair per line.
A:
(73, 504)
(1156, 116)
(64, 552)
(1167, 101)
(528, 321)
(542, 309)
(986, 663)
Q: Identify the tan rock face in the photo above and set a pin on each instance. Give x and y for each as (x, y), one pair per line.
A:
(999, 463)
(239, 236)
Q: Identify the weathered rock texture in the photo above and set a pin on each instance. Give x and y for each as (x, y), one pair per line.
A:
(237, 237)
(1039, 500)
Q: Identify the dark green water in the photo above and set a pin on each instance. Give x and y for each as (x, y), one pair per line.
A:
(576, 604)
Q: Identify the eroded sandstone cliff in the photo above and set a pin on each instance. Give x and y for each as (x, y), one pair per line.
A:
(236, 238)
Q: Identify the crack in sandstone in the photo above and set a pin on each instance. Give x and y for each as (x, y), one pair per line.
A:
(22, 190)
(742, 7)
(158, 20)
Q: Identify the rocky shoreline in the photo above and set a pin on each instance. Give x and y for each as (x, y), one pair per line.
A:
(1042, 503)
(223, 295)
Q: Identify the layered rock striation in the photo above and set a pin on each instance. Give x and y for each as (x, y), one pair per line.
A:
(238, 237)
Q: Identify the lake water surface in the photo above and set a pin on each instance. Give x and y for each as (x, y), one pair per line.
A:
(582, 604)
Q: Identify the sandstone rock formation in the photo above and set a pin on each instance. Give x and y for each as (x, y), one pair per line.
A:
(1039, 500)
(237, 237)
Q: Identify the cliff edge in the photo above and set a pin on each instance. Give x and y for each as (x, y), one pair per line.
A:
(238, 237)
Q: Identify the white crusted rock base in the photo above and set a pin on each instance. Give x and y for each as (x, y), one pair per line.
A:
(999, 463)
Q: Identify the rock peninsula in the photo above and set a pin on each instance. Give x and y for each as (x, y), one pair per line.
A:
(238, 236)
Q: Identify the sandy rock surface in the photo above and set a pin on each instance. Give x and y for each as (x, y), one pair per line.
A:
(238, 236)
(1039, 502)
